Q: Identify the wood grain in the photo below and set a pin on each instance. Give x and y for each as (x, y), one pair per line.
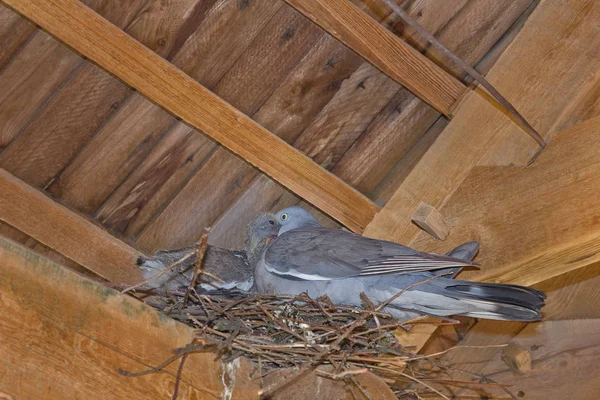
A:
(384, 50)
(397, 129)
(73, 120)
(31, 212)
(517, 76)
(27, 82)
(167, 169)
(65, 336)
(177, 92)
(43, 66)
(104, 167)
(553, 201)
(565, 358)
(14, 32)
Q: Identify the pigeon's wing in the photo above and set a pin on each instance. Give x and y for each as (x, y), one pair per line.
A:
(318, 253)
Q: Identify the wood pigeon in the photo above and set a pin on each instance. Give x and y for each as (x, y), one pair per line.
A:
(306, 257)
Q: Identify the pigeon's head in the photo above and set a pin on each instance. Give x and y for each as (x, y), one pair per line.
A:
(262, 229)
(294, 218)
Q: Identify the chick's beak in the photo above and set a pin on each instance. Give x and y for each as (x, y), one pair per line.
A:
(269, 239)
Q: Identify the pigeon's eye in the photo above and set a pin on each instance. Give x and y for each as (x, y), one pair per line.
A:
(284, 217)
(271, 222)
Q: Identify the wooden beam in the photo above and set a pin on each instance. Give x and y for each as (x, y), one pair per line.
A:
(533, 223)
(480, 134)
(64, 336)
(383, 49)
(111, 48)
(66, 232)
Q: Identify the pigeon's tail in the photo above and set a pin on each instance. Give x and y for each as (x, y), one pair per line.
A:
(498, 301)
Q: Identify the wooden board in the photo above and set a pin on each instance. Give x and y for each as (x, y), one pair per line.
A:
(174, 90)
(14, 31)
(383, 49)
(535, 222)
(52, 224)
(399, 129)
(65, 336)
(565, 362)
(108, 173)
(480, 134)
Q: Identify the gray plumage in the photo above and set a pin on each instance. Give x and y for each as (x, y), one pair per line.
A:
(322, 261)
(229, 265)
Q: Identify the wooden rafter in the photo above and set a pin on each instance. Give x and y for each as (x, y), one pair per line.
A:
(50, 315)
(384, 50)
(544, 73)
(111, 48)
(66, 232)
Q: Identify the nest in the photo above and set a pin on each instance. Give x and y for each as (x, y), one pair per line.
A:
(282, 331)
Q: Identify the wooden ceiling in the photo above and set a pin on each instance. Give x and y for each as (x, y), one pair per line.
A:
(84, 137)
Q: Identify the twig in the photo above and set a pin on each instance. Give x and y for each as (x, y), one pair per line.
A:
(342, 374)
(470, 70)
(394, 297)
(197, 266)
(178, 377)
(455, 348)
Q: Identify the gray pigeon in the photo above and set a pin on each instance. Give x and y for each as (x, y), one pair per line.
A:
(306, 257)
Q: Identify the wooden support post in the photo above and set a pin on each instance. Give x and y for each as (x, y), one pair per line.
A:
(517, 358)
(383, 49)
(431, 221)
(154, 77)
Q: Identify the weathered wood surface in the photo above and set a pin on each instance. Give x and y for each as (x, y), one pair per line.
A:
(470, 30)
(533, 223)
(177, 92)
(383, 49)
(551, 41)
(55, 226)
(565, 357)
(64, 336)
(89, 97)
(14, 31)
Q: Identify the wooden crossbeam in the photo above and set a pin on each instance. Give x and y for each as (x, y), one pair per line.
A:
(383, 49)
(118, 53)
(50, 315)
(66, 232)
(480, 134)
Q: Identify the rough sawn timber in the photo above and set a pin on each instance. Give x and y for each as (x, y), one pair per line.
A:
(117, 52)
(64, 336)
(71, 235)
(384, 50)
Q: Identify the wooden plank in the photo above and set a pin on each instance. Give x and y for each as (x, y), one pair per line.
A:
(553, 202)
(27, 82)
(42, 67)
(99, 169)
(384, 50)
(565, 357)
(88, 99)
(178, 93)
(65, 336)
(55, 226)
(14, 32)
(547, 44)
(533, 223)
(398, 128)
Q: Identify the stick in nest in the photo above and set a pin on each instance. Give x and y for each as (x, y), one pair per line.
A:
(197, 266)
